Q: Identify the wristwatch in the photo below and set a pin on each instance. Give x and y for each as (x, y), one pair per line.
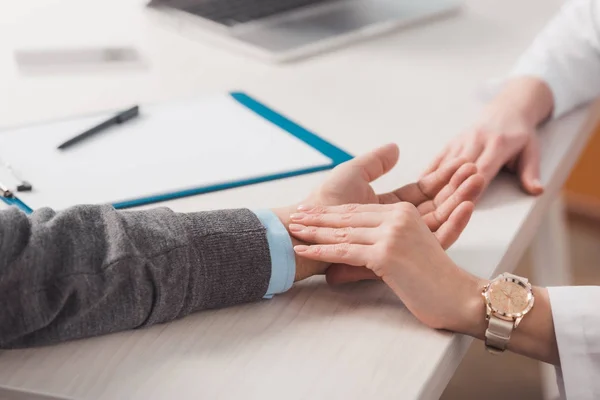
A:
(508, 298)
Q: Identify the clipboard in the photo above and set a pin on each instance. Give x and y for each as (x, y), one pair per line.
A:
(323, 155)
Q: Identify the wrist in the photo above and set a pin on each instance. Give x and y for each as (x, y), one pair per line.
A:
(472, 321)
(529, 98)
(305, 268)
(535, 337)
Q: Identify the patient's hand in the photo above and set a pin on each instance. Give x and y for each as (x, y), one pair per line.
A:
(436, 196)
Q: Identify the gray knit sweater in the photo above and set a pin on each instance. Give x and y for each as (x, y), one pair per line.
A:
(91, 270)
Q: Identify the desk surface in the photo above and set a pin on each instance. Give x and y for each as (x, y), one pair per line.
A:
(417, 87)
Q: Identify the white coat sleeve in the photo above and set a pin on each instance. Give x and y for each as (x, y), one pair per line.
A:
(576, 317)
(566, 55)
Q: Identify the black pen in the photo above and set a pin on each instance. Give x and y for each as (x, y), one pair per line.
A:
(120, 118)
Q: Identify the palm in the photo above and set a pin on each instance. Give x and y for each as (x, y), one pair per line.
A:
(345, 186)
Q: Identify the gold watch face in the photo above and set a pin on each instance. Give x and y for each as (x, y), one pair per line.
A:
(509, 297)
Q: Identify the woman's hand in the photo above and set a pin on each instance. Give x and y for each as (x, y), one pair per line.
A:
(435, 195)
(505, 135)
(395, 243)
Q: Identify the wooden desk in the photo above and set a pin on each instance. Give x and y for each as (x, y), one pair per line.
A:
(417, 88)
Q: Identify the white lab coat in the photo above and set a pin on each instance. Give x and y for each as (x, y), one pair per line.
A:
(566, 55)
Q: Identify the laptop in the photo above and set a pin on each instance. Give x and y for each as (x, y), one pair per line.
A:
(285, 30)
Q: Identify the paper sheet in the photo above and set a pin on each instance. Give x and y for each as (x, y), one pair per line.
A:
(168, 148)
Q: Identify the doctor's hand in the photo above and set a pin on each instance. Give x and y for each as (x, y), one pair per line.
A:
(394, 243)
(435, 195)
(505, 135)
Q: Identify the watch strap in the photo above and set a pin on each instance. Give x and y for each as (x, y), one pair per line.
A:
(498, 334)
(520, 278)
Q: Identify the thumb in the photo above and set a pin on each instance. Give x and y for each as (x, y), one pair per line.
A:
(377, 162)
(529, 168)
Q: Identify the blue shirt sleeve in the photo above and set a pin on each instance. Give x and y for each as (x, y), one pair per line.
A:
(283, 263)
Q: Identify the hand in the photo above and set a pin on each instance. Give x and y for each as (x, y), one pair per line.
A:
(394, 242)
(502, 138)
(505, 135)
(436, 195)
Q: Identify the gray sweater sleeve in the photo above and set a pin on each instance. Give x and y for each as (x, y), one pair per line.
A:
(92, 270)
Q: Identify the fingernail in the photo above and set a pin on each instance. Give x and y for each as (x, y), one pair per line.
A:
(300, 248)
(296, 227)
(304, 207)
(297, 216)
(537, 183)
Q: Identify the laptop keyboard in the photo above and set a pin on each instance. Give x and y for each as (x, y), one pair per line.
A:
(233, 12)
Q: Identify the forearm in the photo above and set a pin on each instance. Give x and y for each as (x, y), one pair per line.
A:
(535, 337)
(566, 56)
(529, 97)
(92, 270)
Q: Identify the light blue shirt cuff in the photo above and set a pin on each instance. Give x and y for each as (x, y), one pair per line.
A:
(283, 263)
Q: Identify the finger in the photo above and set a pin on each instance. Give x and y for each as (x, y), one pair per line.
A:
(435, 164)
(317, 235)
(377, 162)
(448, 160)
(469, 190)
(427, 187)
(463, 173)
(529, 168)
(491, 160)
(512, 164)
(352, 254)
(450, 231)
(357, 220)
(472, 151)
(455, 152)
(452, 154)
(346, 208)
(338, 274)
